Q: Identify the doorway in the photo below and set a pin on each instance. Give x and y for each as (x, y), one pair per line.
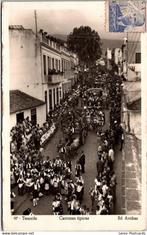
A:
(19, 117)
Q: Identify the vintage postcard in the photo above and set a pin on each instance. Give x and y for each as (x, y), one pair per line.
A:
(74, 116)
(126, 16)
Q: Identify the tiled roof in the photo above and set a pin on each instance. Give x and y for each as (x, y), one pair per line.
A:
(135, 105)
(18, 27)
(22, 101)
(133, 95)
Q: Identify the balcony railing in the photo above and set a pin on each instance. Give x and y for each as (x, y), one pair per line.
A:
(54, 78)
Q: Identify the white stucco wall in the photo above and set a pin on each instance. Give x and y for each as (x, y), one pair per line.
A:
(41, 115)
(27, 113)
(12, 120)
(135, 124)
(133, 48)
(25, 63)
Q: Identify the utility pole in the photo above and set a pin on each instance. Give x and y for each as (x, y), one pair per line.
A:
(36, 30)
(127, 55)
(35, 15)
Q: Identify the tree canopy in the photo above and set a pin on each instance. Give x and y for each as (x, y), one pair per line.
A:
(86, 43)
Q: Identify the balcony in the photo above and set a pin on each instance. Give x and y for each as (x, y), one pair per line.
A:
(53, 78)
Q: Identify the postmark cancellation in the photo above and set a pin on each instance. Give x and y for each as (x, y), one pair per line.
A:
(125, 15)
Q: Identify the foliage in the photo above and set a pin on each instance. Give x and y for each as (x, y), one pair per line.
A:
(86, 43)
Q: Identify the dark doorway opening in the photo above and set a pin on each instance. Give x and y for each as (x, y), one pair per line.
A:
(45, 96)
(50, 99)
(33, 116)
(19, 117)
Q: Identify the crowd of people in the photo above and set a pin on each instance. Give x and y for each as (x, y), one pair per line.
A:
(36, 175)
(103, 195)
(71, 190)
(26, 147)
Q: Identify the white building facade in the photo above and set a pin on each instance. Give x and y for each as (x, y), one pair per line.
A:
(58, 69)
(40, 66)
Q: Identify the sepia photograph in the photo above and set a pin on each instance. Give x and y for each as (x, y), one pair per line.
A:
(75, 109)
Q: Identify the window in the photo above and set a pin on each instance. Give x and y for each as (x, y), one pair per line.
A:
(49, 63)
(44, 64)
(60, 92)
(53, 65)
(57, 94)
(45, 96)
(19, 117)
(138, 58)
(59, 65)
(65, 65)
(62, 65)
(54, 97)
(48, 58)
(33, 116)
(56, 64)
(50, 99)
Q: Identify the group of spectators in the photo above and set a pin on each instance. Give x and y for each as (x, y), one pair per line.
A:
(103, 195)
(26, 155)
(71, 190)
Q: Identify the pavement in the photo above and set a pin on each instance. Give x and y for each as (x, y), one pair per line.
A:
(130, 168)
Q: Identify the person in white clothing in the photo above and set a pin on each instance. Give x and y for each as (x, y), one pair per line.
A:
(111, 154)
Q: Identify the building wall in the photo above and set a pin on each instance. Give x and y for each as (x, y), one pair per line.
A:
(12, 120)
(135, 123)
(40, 111)
(133, 48)
(49, 55)
(27, 56)
(134, 72)
(67, 60)
(27, 113)
(56, 87)
(25, 63)
(132, 122)
(132, 57)
(134, 60)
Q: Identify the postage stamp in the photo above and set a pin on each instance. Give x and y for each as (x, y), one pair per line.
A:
(126, 16)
